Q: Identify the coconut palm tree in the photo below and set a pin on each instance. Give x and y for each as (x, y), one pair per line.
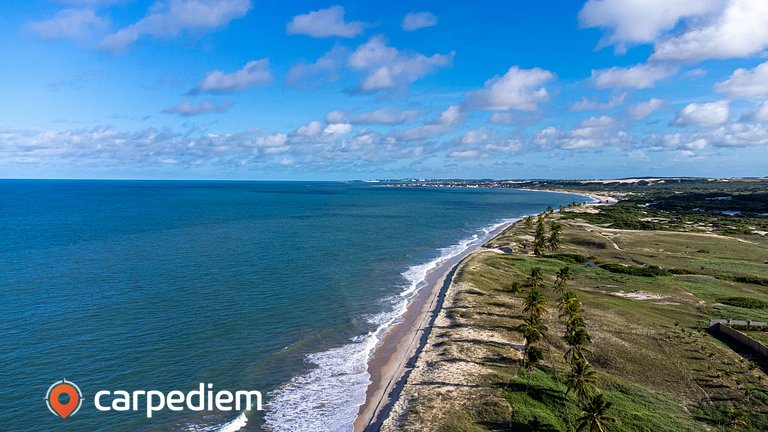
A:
(581, 380)
(533, 355)
(561, 280)
(528, 222)
(577, 341)
(594, 416)
(553, 241)
(515, 287)
(534, 330)
(536, 279)
(534, 303)
(540, 237)
(568, 304)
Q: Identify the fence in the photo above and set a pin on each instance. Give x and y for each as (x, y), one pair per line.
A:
(722, 326)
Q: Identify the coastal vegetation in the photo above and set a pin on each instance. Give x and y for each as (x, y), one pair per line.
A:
(609, 328)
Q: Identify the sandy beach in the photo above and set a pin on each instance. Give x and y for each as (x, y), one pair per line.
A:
(399, 348)
(397, 353)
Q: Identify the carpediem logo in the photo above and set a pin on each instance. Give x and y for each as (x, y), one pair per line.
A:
(64, 398)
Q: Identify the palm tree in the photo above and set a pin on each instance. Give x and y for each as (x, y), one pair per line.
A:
(581, 380)
(553, 241)
(534, 330)
(536, 279)
(533, 355)
(577, 340)
(550, 209)
(515, 287)
(534, 303)
(568, 304)
(528, 222)
(561, 280)
(594, 416)
(539, 238)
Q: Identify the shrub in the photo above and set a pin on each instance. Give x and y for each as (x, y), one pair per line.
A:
(650, 271)
(745, 302)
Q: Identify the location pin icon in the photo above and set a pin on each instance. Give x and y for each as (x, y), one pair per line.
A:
(54, 398)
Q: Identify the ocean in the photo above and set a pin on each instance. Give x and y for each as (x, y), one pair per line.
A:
(281, 287)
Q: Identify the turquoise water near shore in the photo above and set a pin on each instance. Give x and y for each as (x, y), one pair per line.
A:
(272, 286)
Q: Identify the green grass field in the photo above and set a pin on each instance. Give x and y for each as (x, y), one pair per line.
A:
(656, 363)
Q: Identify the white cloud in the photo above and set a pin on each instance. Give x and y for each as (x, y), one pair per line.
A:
(387, 67)
(323, 70)
(312, 129)
(738, 30)
(418, 20)
(338, 129)
(592, 133)
(254, 72)
(505, 118)
(475, 136)
(387, 116)
(759, 114)
(447, 120)
(706, 114)
(639, 76)
(336, 117)
(325, 23)
(732, 135)
(464, 154)
(510, 145)
(518, 89)
(590, 104)
(746, 82)
(189, 109)
(639, 21)
(170, 18)
(69, 24)
(642, 110)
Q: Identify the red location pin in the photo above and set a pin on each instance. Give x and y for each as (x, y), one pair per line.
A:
(56, 391)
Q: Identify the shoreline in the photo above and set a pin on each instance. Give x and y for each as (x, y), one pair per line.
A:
(399, 347)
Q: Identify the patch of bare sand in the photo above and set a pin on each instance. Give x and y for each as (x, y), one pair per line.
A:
(448, 374)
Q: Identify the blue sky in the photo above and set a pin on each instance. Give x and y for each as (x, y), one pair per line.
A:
(248, 89)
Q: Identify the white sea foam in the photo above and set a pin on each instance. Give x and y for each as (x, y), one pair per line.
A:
(328, 397)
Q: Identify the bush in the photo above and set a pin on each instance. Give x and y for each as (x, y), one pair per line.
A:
(751, 280)
(571, 258)
(745, 302)
(650, 271)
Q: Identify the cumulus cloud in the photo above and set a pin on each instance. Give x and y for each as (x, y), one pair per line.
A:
(322, 71)
(447, 120)
(386, 116)
(170, 18)
(325, 23)
(592, 133)
(746, 82)
(312, 129)
(639, 21)
(69, 24)
(642, 110)
(189, 109)
(418, 20)
(518, 89)
(732, 135)
(464, 154)
(639, 76)
(706, 114)
(585, 104)
(387, 67)
(738, 30)
(759, 114)
(254, 72)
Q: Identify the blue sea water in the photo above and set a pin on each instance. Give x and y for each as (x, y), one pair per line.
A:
(273, 286)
